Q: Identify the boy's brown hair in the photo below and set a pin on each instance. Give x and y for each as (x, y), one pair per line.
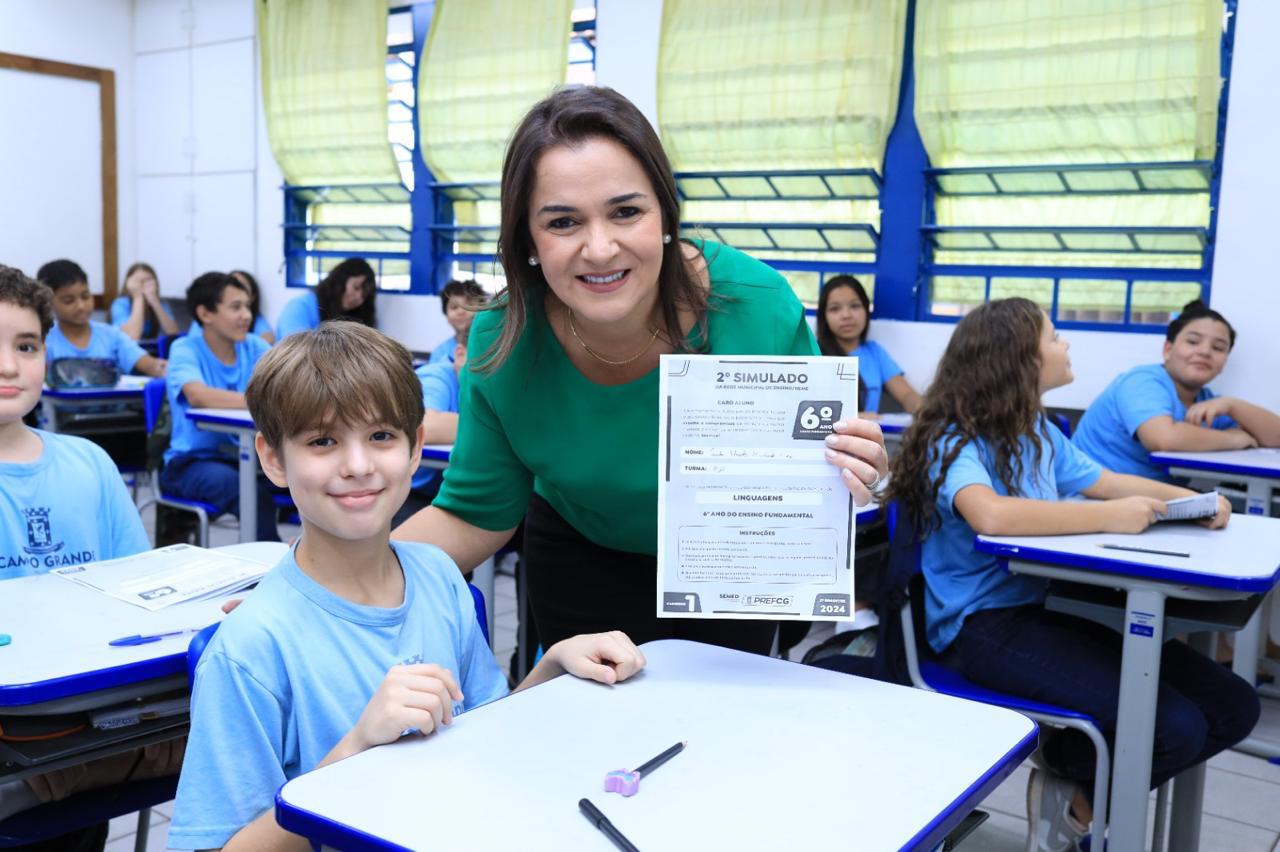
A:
(342, 370)
(17, 289)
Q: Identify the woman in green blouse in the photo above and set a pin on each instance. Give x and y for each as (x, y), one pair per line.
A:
(559, 402)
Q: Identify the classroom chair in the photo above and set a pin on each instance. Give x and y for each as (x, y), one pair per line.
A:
(152, 399)
(927, 673)
(87, 809)
(163, 342)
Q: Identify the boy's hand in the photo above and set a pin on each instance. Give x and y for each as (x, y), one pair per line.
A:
(419, 696)
(1204, 413)
(1219, 520)
(1132, 514)
(1240, 439)
(604, 657)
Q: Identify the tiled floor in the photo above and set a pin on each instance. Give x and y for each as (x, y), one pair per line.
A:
(1242, 793)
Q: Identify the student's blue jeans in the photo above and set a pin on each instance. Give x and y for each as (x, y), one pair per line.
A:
(1202, 708)
(218, 482)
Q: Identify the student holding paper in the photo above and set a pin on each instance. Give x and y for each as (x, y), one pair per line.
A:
(559, 401)
(982, 457)
(1169, 406)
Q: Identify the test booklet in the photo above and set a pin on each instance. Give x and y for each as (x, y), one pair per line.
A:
(161, 578)
(1192, 508)
(753, 521)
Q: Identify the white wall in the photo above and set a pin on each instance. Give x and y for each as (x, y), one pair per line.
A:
(96, 33)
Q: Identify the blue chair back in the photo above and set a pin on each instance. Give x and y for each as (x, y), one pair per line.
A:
(477, 597)
(163, 342)
(1062, 422)
(152, 400)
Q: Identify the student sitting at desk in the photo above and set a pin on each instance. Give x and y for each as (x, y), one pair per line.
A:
(1162, 407)
(351, 640)
(347, 292)
(77, 336)
(440, 388)
(211, 369)
(138, 311)
(62, 503)
(459, 300)
(843, 321)
(981, 457)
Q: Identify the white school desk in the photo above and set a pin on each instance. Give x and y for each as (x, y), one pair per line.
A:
(1231, 564)
(55, 402)
(59, 660)
(772, 746)
(1259, 469)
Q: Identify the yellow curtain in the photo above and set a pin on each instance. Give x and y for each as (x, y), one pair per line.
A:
(1051, 82)
(767, 86)
(324, 88)
(486, 62)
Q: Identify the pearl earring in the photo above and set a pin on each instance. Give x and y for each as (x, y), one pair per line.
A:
(666, 239)
(533, 261)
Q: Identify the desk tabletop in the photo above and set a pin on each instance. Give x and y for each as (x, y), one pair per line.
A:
(769, 742)
(235, 417)
(1245, 556)
(128, 387)
(61, 629)
(1259, 461)
(894, 423)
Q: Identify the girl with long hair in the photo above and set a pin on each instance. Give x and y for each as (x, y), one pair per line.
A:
(138, 311)
(981, 457)
(843, 321)
(347, 292)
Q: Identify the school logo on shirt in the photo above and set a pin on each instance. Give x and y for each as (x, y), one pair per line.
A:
(40, 533)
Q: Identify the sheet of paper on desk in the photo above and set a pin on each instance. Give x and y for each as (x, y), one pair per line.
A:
(161, 578)
(1192, 508)
(753, 522)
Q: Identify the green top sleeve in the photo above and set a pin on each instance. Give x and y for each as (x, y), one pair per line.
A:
(538, 425)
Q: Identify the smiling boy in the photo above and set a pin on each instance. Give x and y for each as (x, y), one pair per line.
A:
(211, 369)
(351, 640)
(78, 336)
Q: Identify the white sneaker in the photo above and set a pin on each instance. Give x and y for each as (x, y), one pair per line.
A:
(1050, 825)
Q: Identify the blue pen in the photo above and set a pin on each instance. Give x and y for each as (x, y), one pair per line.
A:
(147, 639)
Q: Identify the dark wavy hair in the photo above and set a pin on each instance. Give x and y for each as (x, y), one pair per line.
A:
(329, 292)
(987, 387)
(827, 342)
(23, 292)
(571, 116)
(255, 295)
(1193, 311)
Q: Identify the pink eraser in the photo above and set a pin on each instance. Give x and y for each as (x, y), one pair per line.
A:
(622, 781)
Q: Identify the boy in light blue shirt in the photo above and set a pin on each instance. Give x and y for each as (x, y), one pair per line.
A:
(459, 300)
(77, 336)
(352, 641)
(211, 369)
(62, 501)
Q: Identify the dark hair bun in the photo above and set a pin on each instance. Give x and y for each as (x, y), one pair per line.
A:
(1195, 306)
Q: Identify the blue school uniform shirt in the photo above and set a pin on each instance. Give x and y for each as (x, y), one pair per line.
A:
(120, 310)
(191, 360)
(67, 507)
(1108, 431)
(876, 366)
(106, 343)
(443, 353)
(959, 580)
(439, 393)
(290, 671)
(301, 313)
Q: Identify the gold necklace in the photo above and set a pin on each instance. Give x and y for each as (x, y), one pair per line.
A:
(602, 359)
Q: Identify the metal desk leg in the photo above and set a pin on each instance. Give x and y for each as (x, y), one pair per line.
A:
(248, 487)
(1188, 788)
(1135, 726)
